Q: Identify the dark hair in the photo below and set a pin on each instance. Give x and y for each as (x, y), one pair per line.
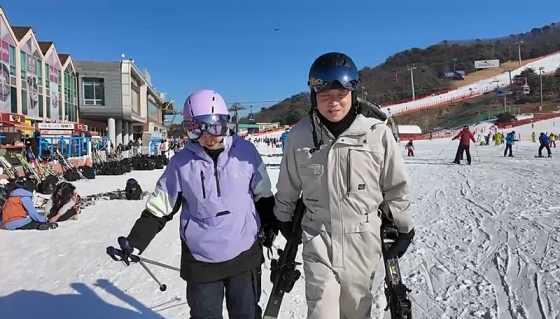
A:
(62, 194)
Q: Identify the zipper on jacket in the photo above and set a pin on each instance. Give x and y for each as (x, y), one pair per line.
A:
(348, 173)
(203, 187)
(217, 178)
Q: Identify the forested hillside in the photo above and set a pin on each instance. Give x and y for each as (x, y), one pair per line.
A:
(390, 81)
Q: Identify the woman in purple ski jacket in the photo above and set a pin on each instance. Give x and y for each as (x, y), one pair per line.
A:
(221, 189)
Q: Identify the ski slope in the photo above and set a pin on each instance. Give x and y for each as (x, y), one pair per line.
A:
(487, 246)
(550, 63)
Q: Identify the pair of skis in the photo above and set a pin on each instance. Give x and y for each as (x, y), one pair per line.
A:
(284, 273)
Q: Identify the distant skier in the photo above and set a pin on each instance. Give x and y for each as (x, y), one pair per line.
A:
(552, 140)
(510, 138)
(545, 143)
(284, 137)
(534, 137)
(410, 148)
(465, 136)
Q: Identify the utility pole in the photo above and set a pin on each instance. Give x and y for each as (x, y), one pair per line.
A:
(454, 61)
(363, 92)
(235, 108)
(519, 43)
(493, 47)
(541, 71)
(411, 68)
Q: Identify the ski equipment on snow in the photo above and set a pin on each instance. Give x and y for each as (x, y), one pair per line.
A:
(283, 272)
(396, 291)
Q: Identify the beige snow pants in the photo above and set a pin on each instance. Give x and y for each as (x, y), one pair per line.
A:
(340, 292)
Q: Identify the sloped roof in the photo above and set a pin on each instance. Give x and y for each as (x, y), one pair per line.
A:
(63, 57)
(20, 32)
(45, 46)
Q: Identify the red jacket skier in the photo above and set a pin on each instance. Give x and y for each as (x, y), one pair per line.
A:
(464, 145)
(466, 137)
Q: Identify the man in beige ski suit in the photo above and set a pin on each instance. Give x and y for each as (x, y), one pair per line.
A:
(343, 180)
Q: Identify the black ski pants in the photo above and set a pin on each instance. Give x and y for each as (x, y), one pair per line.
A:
(543, 146)
(242, 293)
(460, 150)
(508, 147)
(66, 216)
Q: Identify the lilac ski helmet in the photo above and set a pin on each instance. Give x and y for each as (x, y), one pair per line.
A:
(205, 112)
(204, 102)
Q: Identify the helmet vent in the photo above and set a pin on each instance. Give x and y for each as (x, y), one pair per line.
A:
(212, 110)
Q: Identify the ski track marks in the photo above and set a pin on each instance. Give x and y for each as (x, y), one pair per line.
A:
(486, 243)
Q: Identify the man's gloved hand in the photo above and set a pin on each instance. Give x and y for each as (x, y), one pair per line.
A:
(285, 228)
(399, 247)
(125, 253)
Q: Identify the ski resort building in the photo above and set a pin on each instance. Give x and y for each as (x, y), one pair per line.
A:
(118, 100)
(40, 82)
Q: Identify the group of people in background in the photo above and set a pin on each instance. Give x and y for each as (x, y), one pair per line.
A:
(546, 141)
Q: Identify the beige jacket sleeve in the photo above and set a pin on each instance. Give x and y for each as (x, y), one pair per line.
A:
(395, 183)
(288, 188)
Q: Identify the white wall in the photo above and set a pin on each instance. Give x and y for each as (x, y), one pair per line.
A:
(409, 129)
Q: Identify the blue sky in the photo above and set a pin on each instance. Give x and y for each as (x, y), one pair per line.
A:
(231, 46)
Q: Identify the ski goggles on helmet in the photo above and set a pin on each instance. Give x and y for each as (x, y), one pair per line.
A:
(336, 77)
(212, 124)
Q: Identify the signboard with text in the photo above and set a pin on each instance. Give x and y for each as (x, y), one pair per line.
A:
(487, 64)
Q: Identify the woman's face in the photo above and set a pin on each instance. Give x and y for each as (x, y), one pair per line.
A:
(211, 142)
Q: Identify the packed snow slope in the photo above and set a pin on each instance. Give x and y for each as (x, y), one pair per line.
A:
(487, 246)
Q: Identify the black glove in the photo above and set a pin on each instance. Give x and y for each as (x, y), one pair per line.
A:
(285, 228)
(123, 254)
(399, 247)
(47, 226)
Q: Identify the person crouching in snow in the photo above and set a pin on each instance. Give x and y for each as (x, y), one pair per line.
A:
(219, 186)
(63, 204)
(465, 136)
(510, 138)
(410, 148)
(18, 211)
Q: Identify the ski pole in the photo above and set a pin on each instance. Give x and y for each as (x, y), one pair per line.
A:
(116, 253)
(119, 255)
(477, 155)
(155, 263)
(162, 287)
(445, 148)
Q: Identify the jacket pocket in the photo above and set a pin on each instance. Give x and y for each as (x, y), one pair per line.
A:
(313, 186)
(202, 178)
(363, 174)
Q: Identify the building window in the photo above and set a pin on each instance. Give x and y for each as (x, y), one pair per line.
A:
(12, 52)
(47, 78)
(23, 63)
(13, 92)
(41, 111)
(152, 110)
(70, 107)
(94, 91)
(40, 71)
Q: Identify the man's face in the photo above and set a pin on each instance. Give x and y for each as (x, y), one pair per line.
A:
(211, 142)
(334, 104)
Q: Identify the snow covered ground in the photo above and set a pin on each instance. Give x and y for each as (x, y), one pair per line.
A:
(487, 246)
